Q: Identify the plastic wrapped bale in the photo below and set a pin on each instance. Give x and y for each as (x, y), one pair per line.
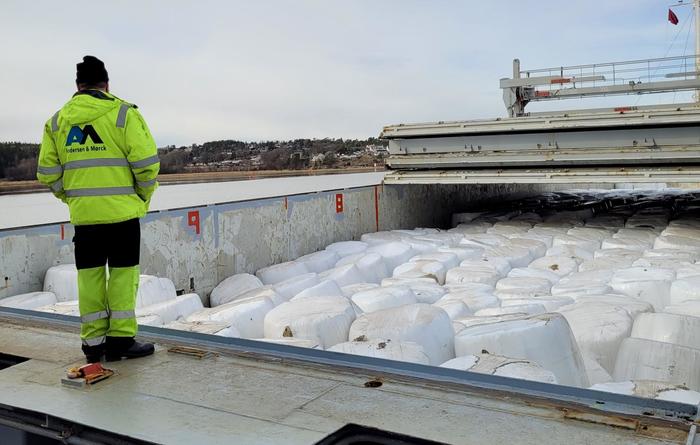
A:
(516, 256)
(326, 288)
(681, 330)
(62, 307)
(427, 293)
(345, 248)
(537, 248)
(481, 273)
(449, 260)
(500, 265)
(404, 351)
(454, 308)
(484, 240)
(626, 243)
(232, 287)
(343, 275)
(651, 390)
(370, 265)
(149, 320)
(377, 238)
(501, 366)
(154, 290)
(459, 324)
(550, 304)
(580, 284)
(384, 298)
(571, 251)
(289, 341)
(519, 287)
(325, 320)
(525, 309)
(544, 339)
(590, 233)
(691, 308)
(474, 288)
(421, 323)
(672, 254)
(471, 227)
(559, 265)
(31, 300)
(319, 261)
(349, 291)
(648, 284)
(617, 254)
(648, 235)
(463, 252)
(530, 272)
(687, 271)
(677, 243)
(686, 289)
(394, 253)
(179, 307)
(534, 236)
(641, 359)
(605, 264)
(280, 272)
(292, 286)
(247, 315)
(647, 221)
(474, 301)
(586, 244)
(202, 327)
(422, 269)
(596, 373)
(421, 246)
(633, 306)
(598, 328)
(62, 281)
(393, 281)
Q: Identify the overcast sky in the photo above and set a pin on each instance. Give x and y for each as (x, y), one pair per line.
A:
(262, 70)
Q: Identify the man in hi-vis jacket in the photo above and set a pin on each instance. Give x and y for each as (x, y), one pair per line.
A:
(98, 156)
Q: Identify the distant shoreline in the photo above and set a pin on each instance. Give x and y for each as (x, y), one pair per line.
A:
(10, 187)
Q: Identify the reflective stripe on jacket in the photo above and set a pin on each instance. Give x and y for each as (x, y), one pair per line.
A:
(99, 157)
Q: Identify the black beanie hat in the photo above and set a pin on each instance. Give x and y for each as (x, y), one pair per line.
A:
(91, 71)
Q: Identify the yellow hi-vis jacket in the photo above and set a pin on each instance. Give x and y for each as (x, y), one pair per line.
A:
(99, 157)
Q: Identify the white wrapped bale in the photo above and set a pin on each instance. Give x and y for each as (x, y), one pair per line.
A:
(633, 306)
(681, 256)
(345, 248)
(319, 261)
(420, 323)
(681, 330)
(626, 243)
(149, 320)
(652, 285)
(343, 275)
(393, 253)
(463, 252)
(392, 281)
(640, 359)
(31, 300)
(677, 243)
(537, 248)
(651, 390)
(500, 265)
(449, 260)
(559, 265)
(204, 327)
(349, 291)
(520, 287)
(534, 235)
(617, 254)
(599, 329)
(686, 289)
(580, 284)
(481, 273)
(605, 264)
(179, 307)
(290, 341)
(326, 288)
(502, 366)
(571, 251)
(525, 309)
(474, 301)
(372, 267)
(320, 319)
(544, 339)
(280, 272)
(290, 287)
(232, 287)
(62, 281)
(687, 271)
(427, 293)
(153, 290)
(376, 238)
(404, 351)
(383, 298)
(530, 272)
(62, 307)
(454, 308)
(584, 243)
(422, 269)
(516, 256)
(550, 304)
(596, 373)
(246, 315)
(648, 235)
(590, 233)
(691, 308)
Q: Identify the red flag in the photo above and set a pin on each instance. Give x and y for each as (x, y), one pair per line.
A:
(672, 17)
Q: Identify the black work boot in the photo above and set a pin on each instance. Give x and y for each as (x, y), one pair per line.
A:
(126, 347)
(93, 354)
